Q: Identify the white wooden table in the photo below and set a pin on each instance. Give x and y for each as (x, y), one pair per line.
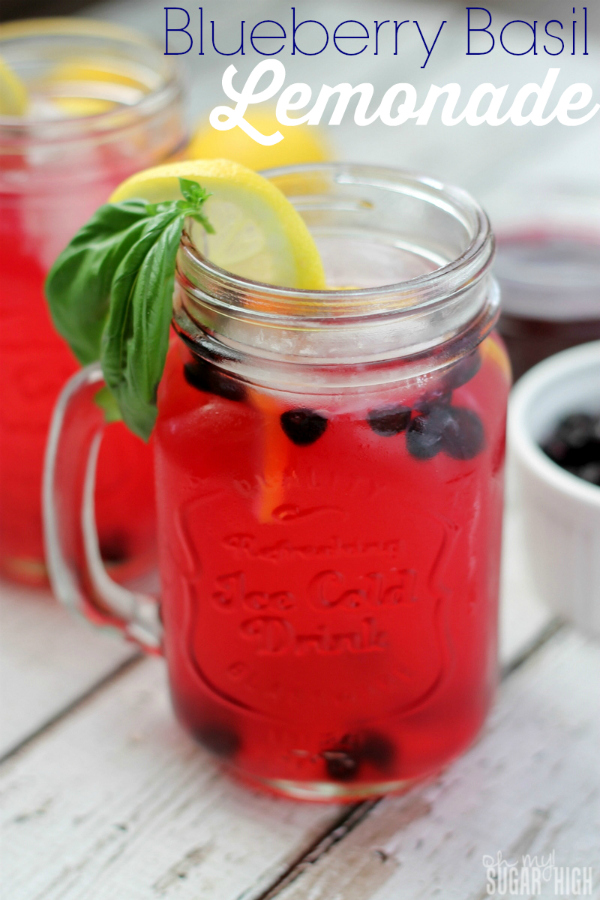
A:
(105, 798)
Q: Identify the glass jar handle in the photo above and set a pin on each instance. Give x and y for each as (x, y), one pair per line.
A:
(75, 566)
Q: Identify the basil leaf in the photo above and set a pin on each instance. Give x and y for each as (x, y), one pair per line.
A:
(110, 295)
(78, 285)
(136, 336)
(107, 402)
(195, 195)
(192, 191)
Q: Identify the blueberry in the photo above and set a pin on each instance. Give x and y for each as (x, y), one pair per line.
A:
(377, 749)
(113, 549)
(303, 426)
(575, 442)
(343, 761)
(389, 420)
(576, 430)
(341, 764)
(558, 452)
(590, 472)
(455, 430)
(438, 396)
(219, 739)
(196, 373)
(424, 435)
(205, 377)
(463, 436)
(462, 371)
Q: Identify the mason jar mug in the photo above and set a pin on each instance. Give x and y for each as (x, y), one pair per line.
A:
(328, 471)
(103, 103)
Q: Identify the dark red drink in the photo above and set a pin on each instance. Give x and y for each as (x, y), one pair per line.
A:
(328, 472)
(55, 170)
(330, 573)
(36, 362)
(550, 285)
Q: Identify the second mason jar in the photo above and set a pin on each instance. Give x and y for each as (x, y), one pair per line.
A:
(329, 493)
(103, 102)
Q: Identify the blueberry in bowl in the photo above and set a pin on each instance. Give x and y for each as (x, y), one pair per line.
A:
(553, 444)
(574, 444)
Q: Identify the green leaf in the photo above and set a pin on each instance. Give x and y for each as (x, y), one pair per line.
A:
(196, 196)
(193, 192)
(78, 285)
(107, 401)
(135, 340)
(199, 217)
(110, 296)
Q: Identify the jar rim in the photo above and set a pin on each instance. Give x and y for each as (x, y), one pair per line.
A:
(43, 130)
(395, 299)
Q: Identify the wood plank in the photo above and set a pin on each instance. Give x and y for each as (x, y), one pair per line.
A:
(117, 801)
(530, 786)
(48, 660)
(115, 794)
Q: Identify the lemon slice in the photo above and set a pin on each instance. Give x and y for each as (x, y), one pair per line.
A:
(14, 99)
(300, 144)
(492, 349)
(79, 70)
(80, 87)
(258, 233)
(82, 107)
(275, 451)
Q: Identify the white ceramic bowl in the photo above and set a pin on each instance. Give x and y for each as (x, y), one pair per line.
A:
(561, 512)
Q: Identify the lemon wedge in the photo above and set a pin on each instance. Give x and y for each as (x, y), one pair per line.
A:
(81, 88)
(492, 349)
(258, 233)
(14, 99)
(300, 144)
(79, 70)
(82, 107)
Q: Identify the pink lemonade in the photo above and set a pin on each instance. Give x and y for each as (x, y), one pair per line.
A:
(330, 571)
(55, 170)
(35, 366)
(329, 481)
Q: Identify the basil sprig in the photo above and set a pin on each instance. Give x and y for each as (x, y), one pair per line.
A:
(110, 294)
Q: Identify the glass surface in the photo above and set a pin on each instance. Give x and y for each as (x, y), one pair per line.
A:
(329, 496)
(104, 103)
(330, 609)
(550, 283)
(329, 571)
(548, 263)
